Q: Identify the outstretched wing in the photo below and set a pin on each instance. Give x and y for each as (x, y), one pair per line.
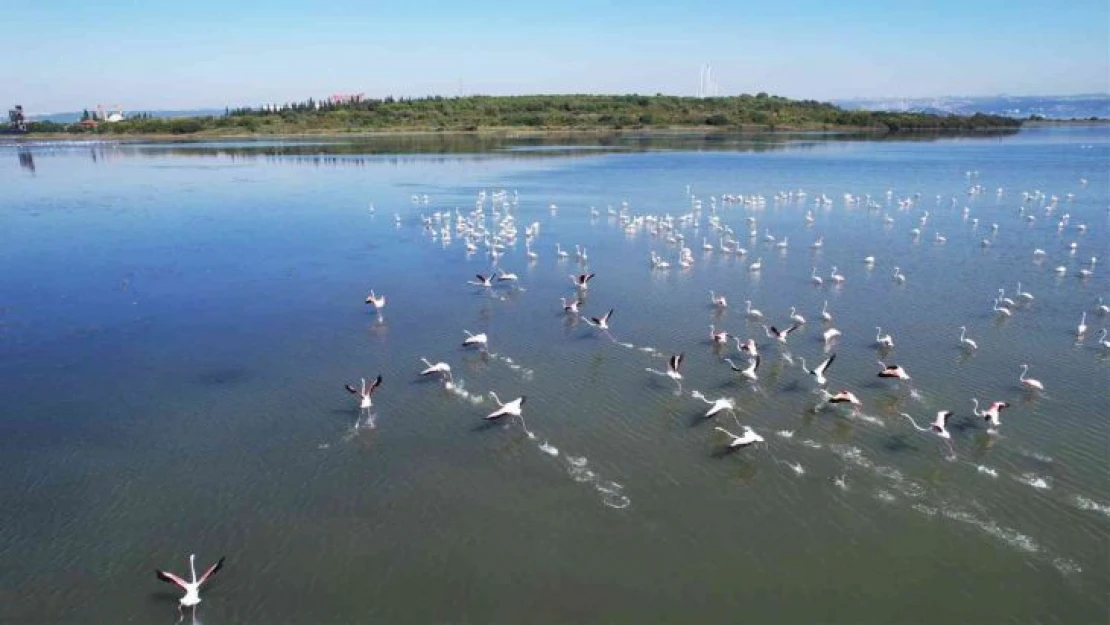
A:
(376, 384)
(211, 571)
(825, 365)
(791, 329)
(586, 277)
(350, 389)
(166, 576)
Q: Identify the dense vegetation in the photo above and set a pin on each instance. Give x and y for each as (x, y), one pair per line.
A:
(540, 112)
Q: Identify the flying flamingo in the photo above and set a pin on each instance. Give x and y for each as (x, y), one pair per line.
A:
(747, 372)
(818, 372)
(991, 414)
(893, 371)
(439, 367)
(192, 589)
(364, 394)
(674, 363)
(475, 339)
(747, 438)
(718, 405)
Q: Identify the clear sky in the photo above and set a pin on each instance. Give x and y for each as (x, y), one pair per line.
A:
(64, 55)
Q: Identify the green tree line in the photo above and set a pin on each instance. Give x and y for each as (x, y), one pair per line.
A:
(541, 112)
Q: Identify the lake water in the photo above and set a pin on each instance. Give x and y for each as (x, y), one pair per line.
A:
(177, 323)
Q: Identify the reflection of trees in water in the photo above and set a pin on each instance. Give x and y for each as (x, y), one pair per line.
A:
(26, 160)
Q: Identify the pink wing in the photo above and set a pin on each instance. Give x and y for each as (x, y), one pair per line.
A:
(171, 578)
(211, 571)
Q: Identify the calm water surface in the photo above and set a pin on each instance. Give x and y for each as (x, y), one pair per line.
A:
(177, 324)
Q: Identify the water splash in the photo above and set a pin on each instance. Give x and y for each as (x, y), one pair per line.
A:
(786, 433)
(985, 470)
(1034, 480)
(1084, 503)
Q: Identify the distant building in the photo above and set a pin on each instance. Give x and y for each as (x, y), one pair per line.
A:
(17, 121)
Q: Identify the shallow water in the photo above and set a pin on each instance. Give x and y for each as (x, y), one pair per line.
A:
(177, 323)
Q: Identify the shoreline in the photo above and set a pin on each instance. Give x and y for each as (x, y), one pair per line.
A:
(510, 132)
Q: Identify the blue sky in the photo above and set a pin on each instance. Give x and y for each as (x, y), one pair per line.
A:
(63, 55)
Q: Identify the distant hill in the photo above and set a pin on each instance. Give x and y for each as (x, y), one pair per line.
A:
(1052, 107)
(66, 118)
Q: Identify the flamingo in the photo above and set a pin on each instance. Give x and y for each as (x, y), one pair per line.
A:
(893, 371)
(364, 393)
(747, 346)
(582, 280)
(486, 281)
(1001, 310)
(966, 342)
(830, 334)
(475, 339)
(505, 276)
(844, 397)
(1082, 329)
(885, 341)
(1029, 383)
(780, 335)
(757, 265)
(816, 279)
(1005, 301)
(749, 371)
(1023, 295)
(601, 323)
(747, 438)
(939, 426)
(718, 337)
(513, 408)
(818, 372)
(899, 277)
(432, 369)
(192, 589)
(718, 300)
(1103, 309)
(1103, 343)
(991, 413)
(753, 313)
(826, 316)
(560, 252)
(674, 363)
(836, 277)
(716, 406)
(378, 301)
(570, 306)
(795, 317)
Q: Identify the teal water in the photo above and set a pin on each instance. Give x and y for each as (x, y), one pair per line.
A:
(177, 323)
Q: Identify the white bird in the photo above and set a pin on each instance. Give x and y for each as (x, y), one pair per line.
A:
(844, 397)
(869, 260)
(893, 371)
(363, 393)
(898, 276)
(1103, 343)
(716, 406)
(966, 342)
(1002, 310)
(718, 300)
(818, 372)
(1022, 295)
(885, 341)
(992, 413)
(1009, 303)
(674, 363)
(432, 369)
(757, 265)
(570, 306)
(718, 338)
(749, 371)
(192, 589)
(825, 314)
(378, 301)
(475, 339)
(747, 438)
(816, 279)
(1029, 383)
(513, 408)
(601, 323)
(830, 334)
(560, 252)
(836, 277)
(1082, 329)
(753, 313)
(505, 276)
(780, 335)
(582, 280)
(939, 426)
(1102, 309)
(486, 281)
(747, 346)
(795, 317)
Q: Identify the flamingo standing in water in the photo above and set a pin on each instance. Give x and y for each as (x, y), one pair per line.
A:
(885, 341)
(192, 589)
(377, 301)
(1029, 383)
(966, 342)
